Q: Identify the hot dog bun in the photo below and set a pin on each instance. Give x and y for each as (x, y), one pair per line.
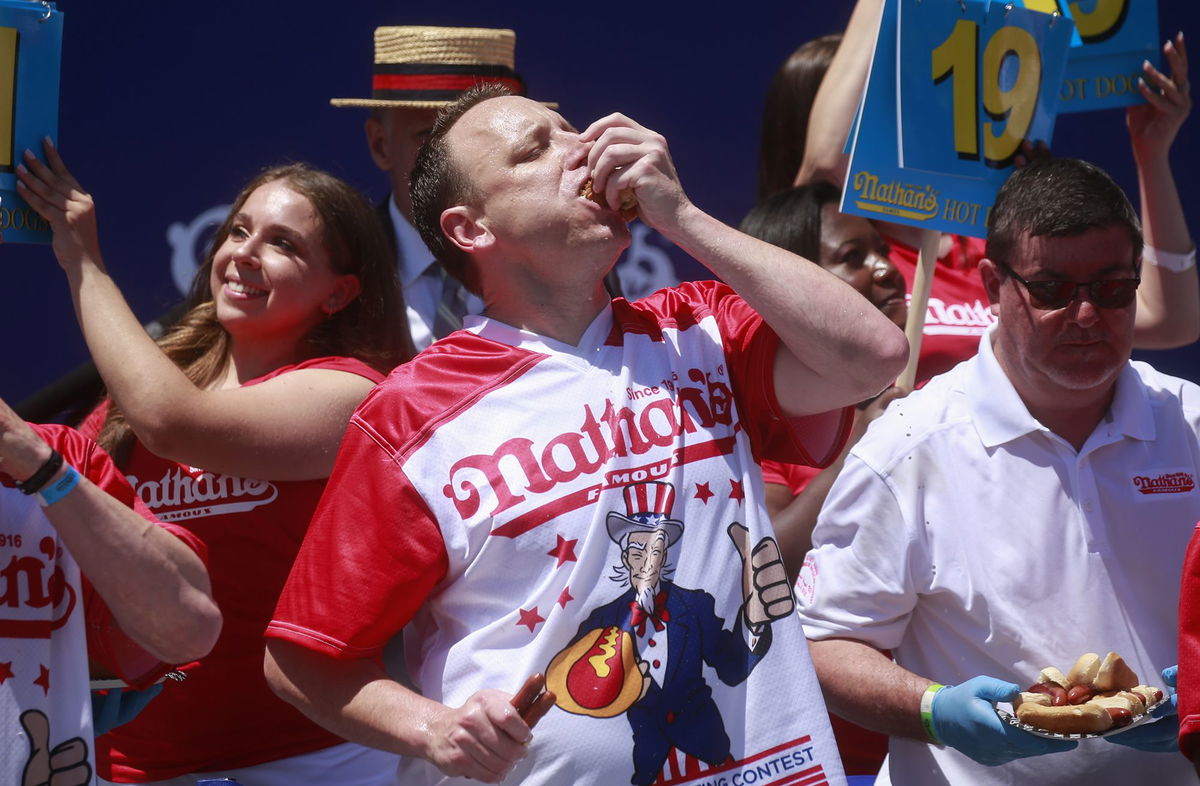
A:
(1087, 718)
(1026, 697)
(1148, 694)
(1084, 670)
(1073, 704)
(1114, 674)
(629, 204)
(1052, 676)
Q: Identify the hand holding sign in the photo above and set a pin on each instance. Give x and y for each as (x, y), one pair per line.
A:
(1154, 125)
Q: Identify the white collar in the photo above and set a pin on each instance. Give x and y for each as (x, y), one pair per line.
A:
(1001, 416)
(593, 339)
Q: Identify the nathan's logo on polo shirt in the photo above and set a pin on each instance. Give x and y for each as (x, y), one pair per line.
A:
(179, 495)
(1165, 483)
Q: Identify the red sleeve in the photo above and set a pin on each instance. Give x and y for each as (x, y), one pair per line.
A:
(107, 643)
(795, 476)
(371, 556)
(750, 345)
(1188, 686)
(94, 422)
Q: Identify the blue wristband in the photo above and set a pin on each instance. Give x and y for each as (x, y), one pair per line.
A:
(59, 488)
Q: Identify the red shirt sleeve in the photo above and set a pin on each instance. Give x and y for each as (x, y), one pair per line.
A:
(1188, 686)
(795, 476)
(371, 556)
(108, 645)
(750, 345)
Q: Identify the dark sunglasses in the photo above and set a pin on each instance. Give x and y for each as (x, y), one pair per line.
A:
(1053, 294)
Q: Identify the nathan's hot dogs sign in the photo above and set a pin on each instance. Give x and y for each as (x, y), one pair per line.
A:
(956, 86)
(30, 49)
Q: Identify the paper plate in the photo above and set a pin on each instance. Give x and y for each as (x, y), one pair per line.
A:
(1138, 720)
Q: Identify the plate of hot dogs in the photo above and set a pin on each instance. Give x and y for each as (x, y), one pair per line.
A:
(1098, 697)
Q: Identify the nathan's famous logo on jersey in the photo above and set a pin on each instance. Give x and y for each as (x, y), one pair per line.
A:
(35, 597)
(180, 495)
(1165, 483)
(651, 418)
(956, 319)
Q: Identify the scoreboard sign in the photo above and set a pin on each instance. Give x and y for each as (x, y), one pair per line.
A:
(955, 86)
(1112, 38)
(30, 50)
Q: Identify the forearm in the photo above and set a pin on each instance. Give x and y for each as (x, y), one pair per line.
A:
(353, 699)
(837, 99)
(864, 686)
(151, 391)
(838, 348)
(1168, 312)
(156, 587)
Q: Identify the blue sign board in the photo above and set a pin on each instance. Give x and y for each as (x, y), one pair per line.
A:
(30, 50)
(1112, 39)
(972, 81)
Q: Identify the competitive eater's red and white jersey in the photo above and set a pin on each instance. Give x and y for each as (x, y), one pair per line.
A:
(484, 493)
(52, 621)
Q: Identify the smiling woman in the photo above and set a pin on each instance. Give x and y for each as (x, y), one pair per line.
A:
(229, 426)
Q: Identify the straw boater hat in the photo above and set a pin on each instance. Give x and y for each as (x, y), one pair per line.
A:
(429, 67)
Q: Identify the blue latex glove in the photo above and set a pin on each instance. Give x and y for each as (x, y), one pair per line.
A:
(111, 708)
(1160, 736)
(964, 717)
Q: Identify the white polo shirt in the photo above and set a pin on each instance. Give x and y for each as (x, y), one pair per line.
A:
(969, 539)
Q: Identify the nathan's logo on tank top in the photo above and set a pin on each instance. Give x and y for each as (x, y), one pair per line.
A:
(1164, 483)
(651, 418)
(35, 597)
(956, 319)
(179, 495)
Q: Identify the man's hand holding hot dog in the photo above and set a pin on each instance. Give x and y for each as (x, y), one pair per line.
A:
(820, 319)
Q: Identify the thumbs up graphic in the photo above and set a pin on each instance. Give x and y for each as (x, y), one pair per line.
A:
(64, 765)
(765, 588)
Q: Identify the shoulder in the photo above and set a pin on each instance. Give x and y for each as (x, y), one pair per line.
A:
(343, 364)
(678, 307)
(917, 421)
(449, 377)
(1165, 389)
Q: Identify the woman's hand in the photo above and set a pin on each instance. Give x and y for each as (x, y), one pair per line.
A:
(53, 192)
(1154, 125)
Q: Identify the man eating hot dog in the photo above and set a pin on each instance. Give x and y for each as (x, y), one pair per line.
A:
(1016, 512)
(472, 496)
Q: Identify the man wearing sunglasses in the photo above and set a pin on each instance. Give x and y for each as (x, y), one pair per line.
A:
(1031, 505)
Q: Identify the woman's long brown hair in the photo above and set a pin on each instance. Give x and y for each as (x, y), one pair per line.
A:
(371, 328)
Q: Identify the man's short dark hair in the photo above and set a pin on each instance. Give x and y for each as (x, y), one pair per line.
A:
(436, 184)
(1058, 197)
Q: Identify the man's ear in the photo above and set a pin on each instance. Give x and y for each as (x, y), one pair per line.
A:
(989, 272)
(466, 230)
(378, 142)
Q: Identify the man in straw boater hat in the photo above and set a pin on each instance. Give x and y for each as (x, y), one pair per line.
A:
(470, 496)
(418, 70)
